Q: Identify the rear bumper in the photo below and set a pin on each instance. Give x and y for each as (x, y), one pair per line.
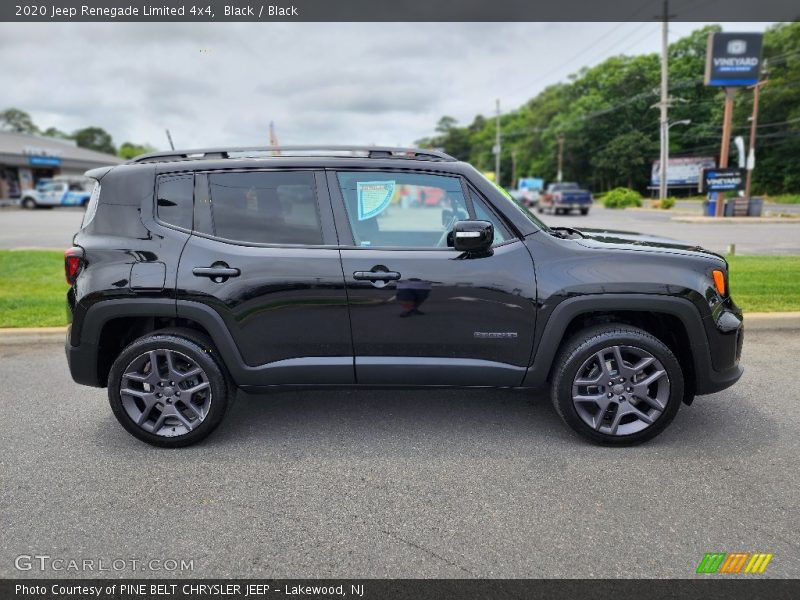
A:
(82, 362)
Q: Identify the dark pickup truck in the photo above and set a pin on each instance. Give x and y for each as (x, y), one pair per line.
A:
(564, 197)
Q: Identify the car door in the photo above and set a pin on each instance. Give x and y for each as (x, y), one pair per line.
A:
(420, 311)
(263, 260)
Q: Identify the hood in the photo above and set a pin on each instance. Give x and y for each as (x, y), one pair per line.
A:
(629, 240)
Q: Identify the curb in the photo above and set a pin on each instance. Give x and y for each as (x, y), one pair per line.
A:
(51, 335)
(32, 335)
(737, 220)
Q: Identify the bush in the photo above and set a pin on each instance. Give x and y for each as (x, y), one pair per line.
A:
(622, 198)
(667, 203)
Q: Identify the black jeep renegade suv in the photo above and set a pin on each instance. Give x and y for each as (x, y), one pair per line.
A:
(196, 273)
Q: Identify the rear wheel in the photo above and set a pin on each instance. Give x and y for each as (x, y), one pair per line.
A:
(617, 385)
(28, 203)
(584, 211)
(168, 390)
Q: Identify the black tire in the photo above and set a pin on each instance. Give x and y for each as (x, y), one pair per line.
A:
(540, 210)
(584, 211)
(581, 348)
(28, 203)
(196, 348)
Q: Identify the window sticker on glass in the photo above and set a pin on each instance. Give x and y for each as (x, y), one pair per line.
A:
(373, 197)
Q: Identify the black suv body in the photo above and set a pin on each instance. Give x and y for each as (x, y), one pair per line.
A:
(199, 272)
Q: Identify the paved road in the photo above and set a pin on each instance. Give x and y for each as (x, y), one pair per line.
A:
(750, 238)
(54, 229)
(402, 484)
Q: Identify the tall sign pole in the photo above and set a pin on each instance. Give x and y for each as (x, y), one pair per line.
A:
(662, 176)
(724, 151)
(560, 174)
(751, 155)
(733, 60)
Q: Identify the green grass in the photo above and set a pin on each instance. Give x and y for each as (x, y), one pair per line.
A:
(784, 199)
(32, 287)
(765, 283)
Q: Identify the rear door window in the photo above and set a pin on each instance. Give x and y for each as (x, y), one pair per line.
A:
(265, 207)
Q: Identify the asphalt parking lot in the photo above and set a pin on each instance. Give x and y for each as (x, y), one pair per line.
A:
(401, 484)
(54, 229)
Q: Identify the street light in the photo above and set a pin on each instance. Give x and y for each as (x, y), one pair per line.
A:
(663, 174)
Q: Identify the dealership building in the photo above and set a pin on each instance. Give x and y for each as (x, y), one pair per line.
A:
(25, 159)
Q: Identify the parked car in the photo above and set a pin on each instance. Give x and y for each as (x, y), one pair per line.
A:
(197, 273)
(565, 197)
(525, 196)
(51, 192)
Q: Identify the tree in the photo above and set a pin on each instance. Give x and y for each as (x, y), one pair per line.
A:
(624, 160)
(130, 150)
(95, 138)
(55, 132)
(18, 121)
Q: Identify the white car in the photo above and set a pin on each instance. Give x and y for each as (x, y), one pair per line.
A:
(56, 193)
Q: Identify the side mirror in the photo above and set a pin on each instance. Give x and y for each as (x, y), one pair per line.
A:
(473, 236)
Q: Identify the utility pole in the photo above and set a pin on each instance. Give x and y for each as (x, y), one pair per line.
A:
(751, 155)
(724, 151)
(664, 104)
(560, 174)
(497, 144)
(513, 168)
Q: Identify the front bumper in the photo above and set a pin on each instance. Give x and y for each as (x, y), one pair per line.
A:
(725, 330)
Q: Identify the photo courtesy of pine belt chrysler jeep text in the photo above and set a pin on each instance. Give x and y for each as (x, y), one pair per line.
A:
(195, 273)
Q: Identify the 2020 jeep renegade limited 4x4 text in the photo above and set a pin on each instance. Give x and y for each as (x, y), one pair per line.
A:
(196, 273)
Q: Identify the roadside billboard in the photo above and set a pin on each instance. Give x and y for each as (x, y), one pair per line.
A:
(733, 59)
(684, 171)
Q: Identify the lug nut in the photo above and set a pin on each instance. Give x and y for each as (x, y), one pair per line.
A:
(177, 393)
(629, 389)
(621, 379)
(622, 398)
(610, 395)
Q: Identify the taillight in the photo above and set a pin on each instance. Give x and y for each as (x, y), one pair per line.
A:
(73, 261)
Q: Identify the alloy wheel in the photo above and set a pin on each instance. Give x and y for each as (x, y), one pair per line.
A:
(620, 390)
(165, 392)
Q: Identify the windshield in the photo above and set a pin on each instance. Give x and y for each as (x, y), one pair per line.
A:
(514, 202)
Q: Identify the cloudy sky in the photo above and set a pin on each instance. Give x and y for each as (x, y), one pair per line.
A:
(222, 83)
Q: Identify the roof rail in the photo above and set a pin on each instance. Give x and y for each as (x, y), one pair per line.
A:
(333, 151)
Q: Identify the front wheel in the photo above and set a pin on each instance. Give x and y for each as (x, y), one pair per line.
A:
(29, 203)
(617, 385)
(168, 390)
(584, 211)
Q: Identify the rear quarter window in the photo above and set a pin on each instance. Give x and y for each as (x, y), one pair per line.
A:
(174, 200)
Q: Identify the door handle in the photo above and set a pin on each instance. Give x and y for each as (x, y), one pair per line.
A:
(376, 275)
(218, 272)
